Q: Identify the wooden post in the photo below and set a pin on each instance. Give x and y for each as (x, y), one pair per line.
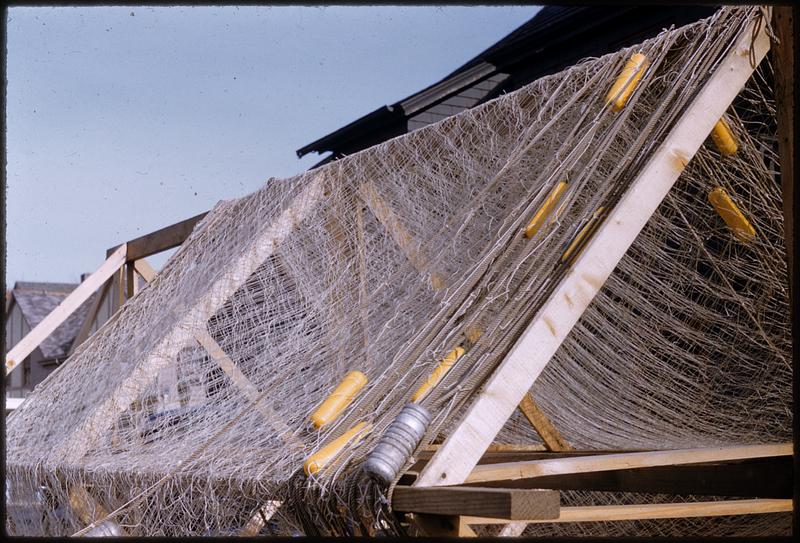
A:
(783, 64)
(130, 279)
(67, 306)
(515, 375)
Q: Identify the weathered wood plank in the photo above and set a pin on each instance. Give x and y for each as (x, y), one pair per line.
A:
(144, 269)
(584, 464)
(162, 239)
(752, 478)
(441, 525)
(783, 64)
(383, 212)
(473, 501)
(552, 438)
(63, 310)
(607, 513)
(247, 388)
(515, 375)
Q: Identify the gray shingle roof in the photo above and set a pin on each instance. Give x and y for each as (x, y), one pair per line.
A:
(37, 300)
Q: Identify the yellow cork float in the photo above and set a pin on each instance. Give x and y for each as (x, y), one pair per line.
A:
(584, 234)
(339, 399)
(545, 210)
(437, 374)
(731, 214)
(723, 138)
(323, 457)
(626, 82)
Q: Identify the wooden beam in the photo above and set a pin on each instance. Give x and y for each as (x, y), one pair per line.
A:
(86, 326)
(441, 525)
(63, 310)
(162, 239)
(551, 437)
(584, 464)
(473, 501)
(378, 206)
(752, 478)
(144, 269)
(516, 374)
(259, 519)
(498, 447)
(607, 513)
(130, 280)
(163, 354)
(783, 65)
(247, 388)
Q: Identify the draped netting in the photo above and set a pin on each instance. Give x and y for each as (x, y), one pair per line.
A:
(187, 412)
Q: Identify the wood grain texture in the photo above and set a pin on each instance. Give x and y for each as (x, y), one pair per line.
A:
(486, 502)
(517, 373)
(162, 239)
(783, 64)
(606, 513)
(752, 478)
(144, 269)
(584, 464)
(551, 437)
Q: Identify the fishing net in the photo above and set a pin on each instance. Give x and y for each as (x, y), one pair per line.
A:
(187, 413)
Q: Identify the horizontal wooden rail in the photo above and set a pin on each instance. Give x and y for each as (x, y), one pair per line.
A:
(584, 464)
(160, 240)
(752, 478)
(606, 513)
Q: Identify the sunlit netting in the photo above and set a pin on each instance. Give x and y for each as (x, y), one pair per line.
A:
(187, 413)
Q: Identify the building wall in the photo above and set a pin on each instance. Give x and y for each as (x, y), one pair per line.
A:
(16, 328)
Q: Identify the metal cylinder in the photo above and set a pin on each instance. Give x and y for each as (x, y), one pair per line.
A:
(398, 442)
(106, 528)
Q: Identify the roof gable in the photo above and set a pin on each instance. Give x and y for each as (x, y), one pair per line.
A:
(37, 300)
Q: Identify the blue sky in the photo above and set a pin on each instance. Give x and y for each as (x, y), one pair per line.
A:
(122, 120)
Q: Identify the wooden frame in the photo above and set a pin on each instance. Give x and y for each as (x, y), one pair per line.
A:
(515, 375)
(498, 503)
(84, 437)
(584, 464)
(67, 307)
(606, 513)
(160, 240)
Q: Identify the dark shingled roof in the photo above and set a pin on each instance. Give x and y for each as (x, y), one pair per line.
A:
(37, 300)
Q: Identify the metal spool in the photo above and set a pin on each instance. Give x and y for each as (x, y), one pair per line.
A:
(398, 442)
(106, 528)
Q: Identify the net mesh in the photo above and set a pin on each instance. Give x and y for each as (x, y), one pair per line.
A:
(187, 413)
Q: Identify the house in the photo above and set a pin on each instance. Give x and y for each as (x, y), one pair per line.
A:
(27, 304)
(555, 38)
